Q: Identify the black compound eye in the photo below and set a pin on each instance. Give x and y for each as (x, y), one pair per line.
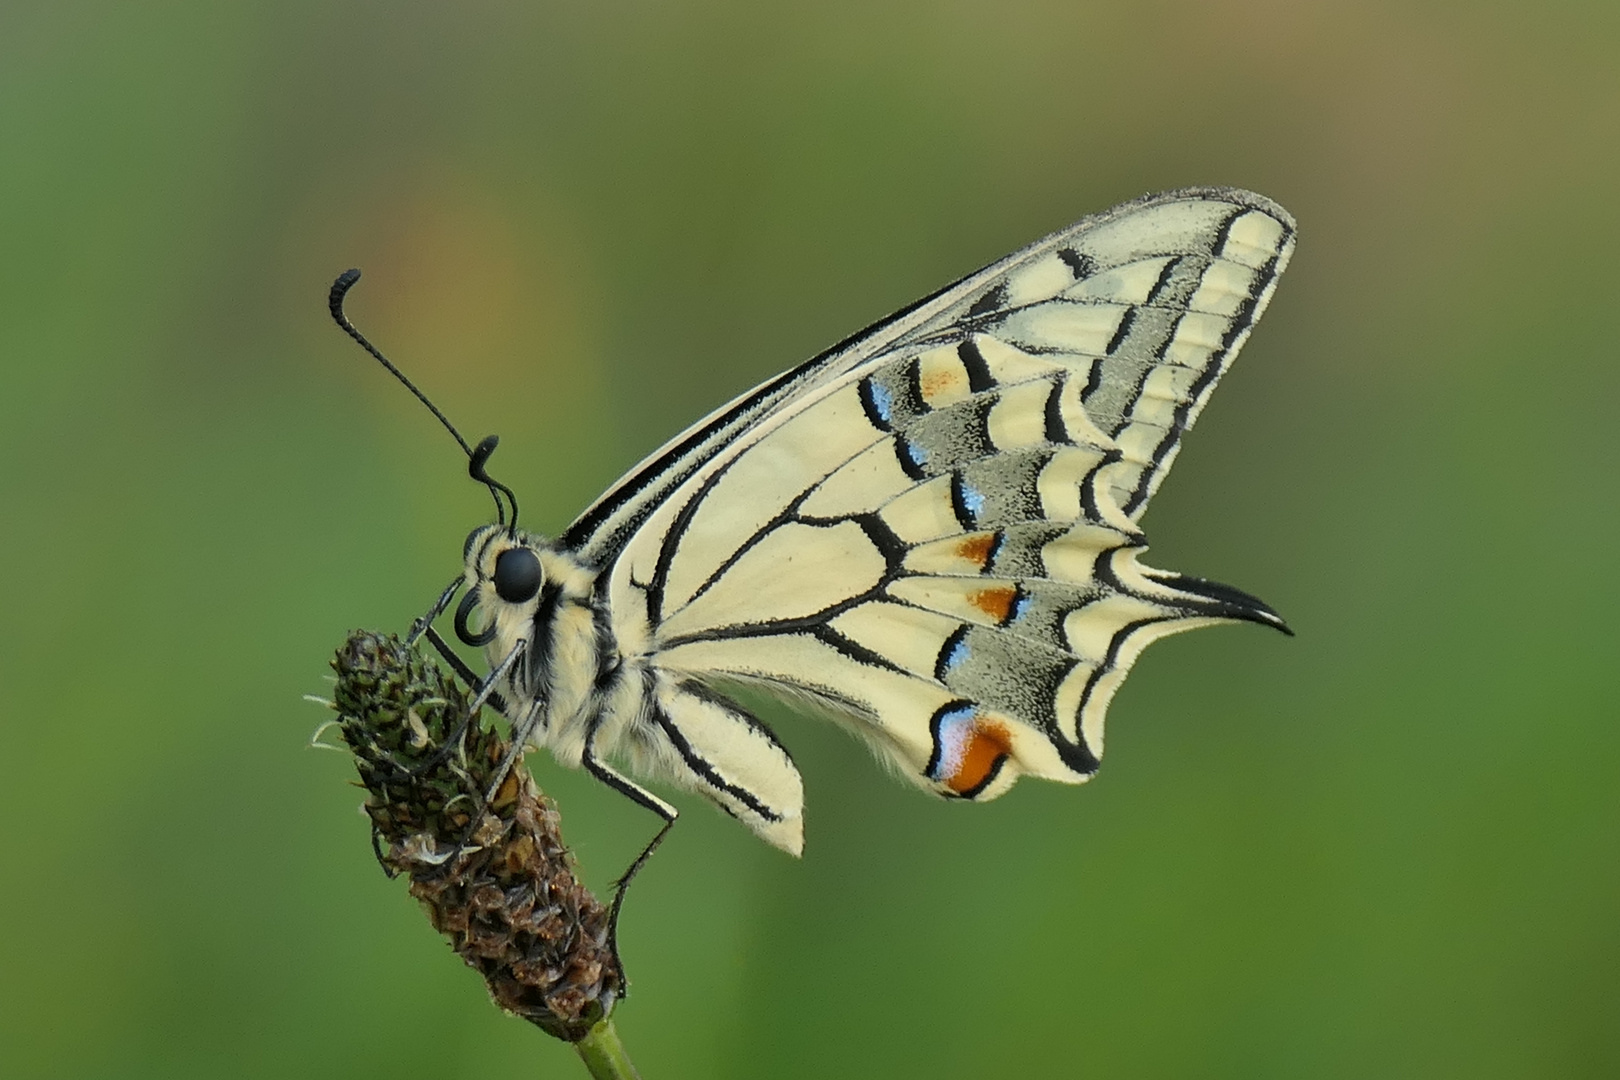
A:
(517, 575)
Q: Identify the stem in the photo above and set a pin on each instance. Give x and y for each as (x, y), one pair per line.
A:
(604, 1054)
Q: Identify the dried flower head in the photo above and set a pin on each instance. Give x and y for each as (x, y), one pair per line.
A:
(496, 880)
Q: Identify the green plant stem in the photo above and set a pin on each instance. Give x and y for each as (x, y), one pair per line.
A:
(604, 1054)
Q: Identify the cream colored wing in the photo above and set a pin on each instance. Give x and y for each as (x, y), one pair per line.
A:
(936, 535)
(1116, 287)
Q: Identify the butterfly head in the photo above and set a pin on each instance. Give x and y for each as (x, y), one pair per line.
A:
(504, 575)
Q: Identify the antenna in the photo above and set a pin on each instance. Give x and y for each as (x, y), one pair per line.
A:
(476, 457)
(475, 469)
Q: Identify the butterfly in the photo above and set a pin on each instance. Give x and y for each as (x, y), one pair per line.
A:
(929, 532)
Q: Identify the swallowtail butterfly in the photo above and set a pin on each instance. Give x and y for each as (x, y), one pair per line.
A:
(930, 530)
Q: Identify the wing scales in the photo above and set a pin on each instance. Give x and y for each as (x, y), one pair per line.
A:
(858, 586)
(797, 570)
(707, 743)
(933, 530)
(1102, 256)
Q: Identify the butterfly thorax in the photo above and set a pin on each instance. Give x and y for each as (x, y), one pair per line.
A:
(528, 592)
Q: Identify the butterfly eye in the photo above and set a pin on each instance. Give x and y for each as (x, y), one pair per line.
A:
(517, 575)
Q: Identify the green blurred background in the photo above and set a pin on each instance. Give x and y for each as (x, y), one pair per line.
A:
(1387, 847)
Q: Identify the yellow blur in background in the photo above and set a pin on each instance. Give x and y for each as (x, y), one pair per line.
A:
(1386, 847)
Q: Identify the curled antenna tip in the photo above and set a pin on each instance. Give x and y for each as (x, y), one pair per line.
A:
(480, 455)
(477, 462)
(340, 288)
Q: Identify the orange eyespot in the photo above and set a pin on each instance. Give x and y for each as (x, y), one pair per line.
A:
(936, 382)
(984, 748)
(977, 548)
(996, 602)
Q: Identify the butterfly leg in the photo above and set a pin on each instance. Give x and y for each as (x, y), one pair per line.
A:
(423, 627)
(521, 729)
(483, 691)
(642, 797)
(425, 623)
(457, 664)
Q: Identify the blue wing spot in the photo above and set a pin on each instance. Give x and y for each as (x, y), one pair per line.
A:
(883, 401)
(973, 499)
(953, 653)
(967, 503)
(1020, 607)
(878, 403)
(911, 458)
(953, 731)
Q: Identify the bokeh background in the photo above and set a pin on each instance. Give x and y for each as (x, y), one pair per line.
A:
(1387, 847)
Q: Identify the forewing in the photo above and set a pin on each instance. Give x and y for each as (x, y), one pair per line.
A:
(1148, 304)
(1150, 301)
